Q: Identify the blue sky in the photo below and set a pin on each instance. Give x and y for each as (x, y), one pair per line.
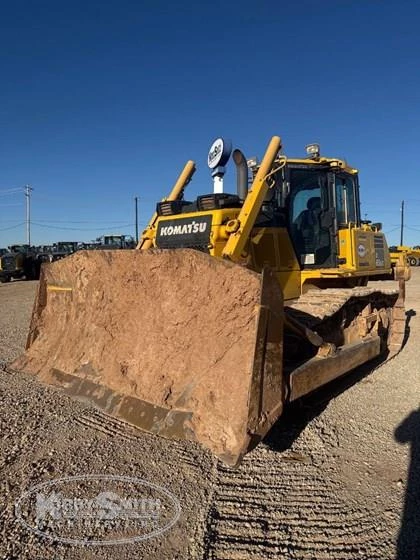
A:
(103, 101)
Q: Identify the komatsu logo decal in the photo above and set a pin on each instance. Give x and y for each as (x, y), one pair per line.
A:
(184, 232)
(193, 227)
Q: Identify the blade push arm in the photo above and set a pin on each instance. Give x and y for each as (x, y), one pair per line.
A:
(245, 222)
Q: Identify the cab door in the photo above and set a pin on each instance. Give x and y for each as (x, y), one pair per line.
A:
(312, 217)
(346, 200)
(353, 252)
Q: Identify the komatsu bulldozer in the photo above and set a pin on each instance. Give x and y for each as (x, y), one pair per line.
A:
(232, 305)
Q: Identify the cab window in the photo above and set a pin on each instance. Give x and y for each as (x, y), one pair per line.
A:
(308, 202)
(345, 194)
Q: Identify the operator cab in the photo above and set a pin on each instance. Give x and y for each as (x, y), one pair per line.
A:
(314, 198)
(321, 201)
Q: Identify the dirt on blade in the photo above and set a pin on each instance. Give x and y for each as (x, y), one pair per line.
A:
(164, 339)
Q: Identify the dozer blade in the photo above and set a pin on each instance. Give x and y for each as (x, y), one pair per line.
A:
(175, 342)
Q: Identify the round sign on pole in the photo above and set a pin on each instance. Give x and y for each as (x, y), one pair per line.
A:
(219, 153)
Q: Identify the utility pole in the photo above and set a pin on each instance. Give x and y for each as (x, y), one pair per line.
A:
(28, 190)
(402, 223)
(136, 206)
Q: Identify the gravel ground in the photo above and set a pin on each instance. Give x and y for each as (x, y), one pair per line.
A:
(337, 478)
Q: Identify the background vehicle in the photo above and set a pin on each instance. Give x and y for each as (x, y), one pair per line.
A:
(63, 249)
(115, 242)
(18, 260)
(25, 261)
(412, 254)
(7, 265)
(233, 306)
(89, 245)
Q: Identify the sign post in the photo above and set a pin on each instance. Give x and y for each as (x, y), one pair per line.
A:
(217, 158)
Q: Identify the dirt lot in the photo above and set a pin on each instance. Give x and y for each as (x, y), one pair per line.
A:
(337, 478)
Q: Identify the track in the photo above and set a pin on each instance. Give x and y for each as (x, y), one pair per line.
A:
(279, 504)
(285, 506)
(116, 428)
(341, 315)
(320, 304)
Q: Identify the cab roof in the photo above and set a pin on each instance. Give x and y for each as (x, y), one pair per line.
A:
(332, 162)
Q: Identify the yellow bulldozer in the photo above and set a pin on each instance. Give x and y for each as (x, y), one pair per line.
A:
(232, 305)
(411, 254)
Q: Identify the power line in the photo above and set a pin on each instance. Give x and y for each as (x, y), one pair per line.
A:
(11, 191)
(11, 204)
(81, 221)
(77, 229)
(110, 223)
(103, 198)
(13, 227)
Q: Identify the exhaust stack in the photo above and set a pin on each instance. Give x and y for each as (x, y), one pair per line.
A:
(241, 174)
